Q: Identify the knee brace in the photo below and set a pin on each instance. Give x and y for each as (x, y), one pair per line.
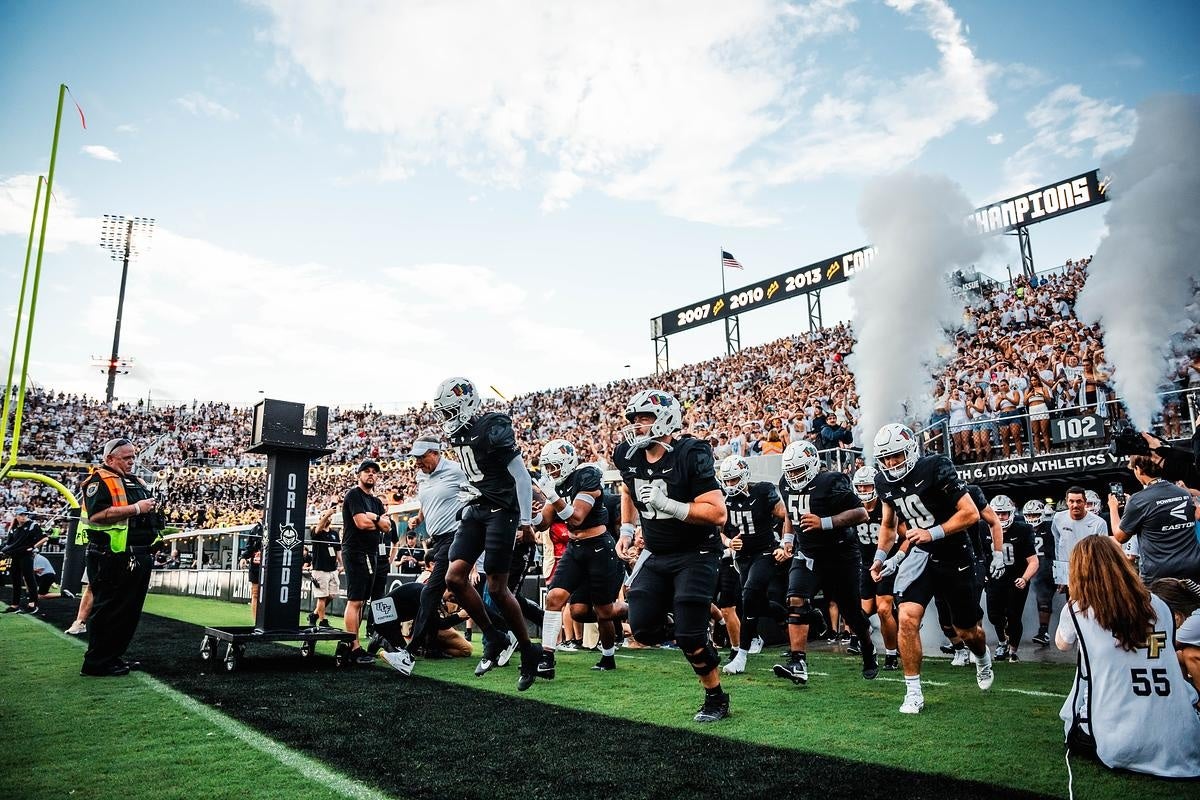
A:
(700, 654)
(802, 614)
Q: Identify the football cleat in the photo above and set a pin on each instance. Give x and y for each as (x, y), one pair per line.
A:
(913, 703)
(962, 657)
(545, 667)
(794, 671)
(1042, 639)
(756, 645)
(891, 663)
(507, 653)
(713, 710)
(854, 648)
(493, 646)
(605, 664)
(870, 668)
(737, 665)
(948, 649)
(531, 657)
(983, 673)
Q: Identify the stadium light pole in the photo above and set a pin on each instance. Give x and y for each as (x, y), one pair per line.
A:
(121, 237)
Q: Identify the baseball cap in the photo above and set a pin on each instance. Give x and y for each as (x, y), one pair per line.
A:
(424, 445)
(113, 444)
(20, 512)
(368, 464)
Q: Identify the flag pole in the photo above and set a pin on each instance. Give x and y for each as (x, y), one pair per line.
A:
(721, 261)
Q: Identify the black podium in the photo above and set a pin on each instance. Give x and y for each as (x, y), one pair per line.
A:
(290, 435)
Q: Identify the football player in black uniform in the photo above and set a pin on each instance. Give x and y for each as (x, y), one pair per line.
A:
(987, 542)
(589, 572)
(1036, 517)
(819, 527)
(876, 597)
(503, 500)
(753, 508)
(1006, 594)
(925, 501)
(672, 484)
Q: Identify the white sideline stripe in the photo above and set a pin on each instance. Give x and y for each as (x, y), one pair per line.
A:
(264, 744)
(1026, 692)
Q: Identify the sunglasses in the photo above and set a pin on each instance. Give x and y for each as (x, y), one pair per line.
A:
(113, 444)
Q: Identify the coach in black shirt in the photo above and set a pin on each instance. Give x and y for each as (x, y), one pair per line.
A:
(363, 551)
(23, 538)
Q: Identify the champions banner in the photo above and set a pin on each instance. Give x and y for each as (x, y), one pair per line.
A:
(1039, 205)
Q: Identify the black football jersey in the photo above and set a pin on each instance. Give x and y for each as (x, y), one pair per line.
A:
(868, 534)
(1019, 545)
(751, 517)
(484, 447)
(825, 495)
(1043, 537)
(927, 496)
(684, 472)
(981, 532)
(585, 479)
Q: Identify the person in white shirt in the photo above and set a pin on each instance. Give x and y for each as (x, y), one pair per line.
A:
(1183, 598)
(1069, 527)
(1130, 705)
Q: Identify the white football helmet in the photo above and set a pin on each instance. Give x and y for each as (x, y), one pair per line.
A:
(559, 459)
(1093, 501)
(734, 475)
(668, 417)
(801, 463)
(863, 477)
(457, 401)
(1032, 511)
(894, 439)
(1005, 509)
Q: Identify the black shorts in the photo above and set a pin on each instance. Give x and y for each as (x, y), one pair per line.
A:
(679, 583)
(590, 571)
(868, 589)
(488, 530)
(1043, 583)
(729, 585)
(254, 574)
(361, 569)
(837, 571)
(956, 583)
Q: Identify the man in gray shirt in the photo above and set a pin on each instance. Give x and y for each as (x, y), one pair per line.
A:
(440, 482)
(1163, 517)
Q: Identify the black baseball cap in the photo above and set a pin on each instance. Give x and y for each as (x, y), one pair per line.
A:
(368, 463)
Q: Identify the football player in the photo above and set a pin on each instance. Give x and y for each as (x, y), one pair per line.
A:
(876, 597)
(1007, 593)
(753, 507)
(573, 495)
(1035, 516)
(501, 501)
(672, 485)
(987, 542)
(819, 529)
(925, 501)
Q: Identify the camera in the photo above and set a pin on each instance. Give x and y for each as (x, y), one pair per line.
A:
(1127, 441)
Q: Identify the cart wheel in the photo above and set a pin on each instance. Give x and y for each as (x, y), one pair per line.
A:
(232, 657)
(207, 648)
(308, 649)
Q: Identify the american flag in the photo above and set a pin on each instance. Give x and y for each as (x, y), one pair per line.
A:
(727, 260)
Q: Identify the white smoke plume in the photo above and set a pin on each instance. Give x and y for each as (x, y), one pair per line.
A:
(904, 307)
(1143, 277)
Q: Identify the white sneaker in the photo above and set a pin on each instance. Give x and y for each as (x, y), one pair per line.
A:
(77, 628)
(507, 653)
(983, 672)
(913, 703)
(401, 660)
(737, 666)
(961, 658)
(756, 645)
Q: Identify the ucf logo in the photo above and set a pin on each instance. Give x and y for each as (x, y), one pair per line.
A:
(1156, 642)
(288, 537)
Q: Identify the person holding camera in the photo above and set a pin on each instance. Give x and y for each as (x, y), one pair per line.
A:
(1163, 517)
(123, 529)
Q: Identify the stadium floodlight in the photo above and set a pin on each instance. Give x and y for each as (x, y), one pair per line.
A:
(124, 238)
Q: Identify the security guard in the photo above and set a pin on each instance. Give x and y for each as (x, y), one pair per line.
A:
(123, 530)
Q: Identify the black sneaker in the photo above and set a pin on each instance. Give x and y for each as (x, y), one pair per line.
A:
(531, 657)
(15, 609)
(891, 663)
(1012, 656)
(31, 610)
(948, 649)
(714, 709)
(312, 620)
(605, 664)
(1042, 639)
(361, 656)
(545, 667)
(324, 623)
(795, 671)
(854, 648)
(870, 667)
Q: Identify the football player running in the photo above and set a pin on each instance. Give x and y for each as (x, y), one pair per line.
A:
(502, 500)
(1036, 517)
(753, 507)
(672, 484)
(822, 511)
(1007, 593)
(589, 572)
(876, 597)
(925, 501)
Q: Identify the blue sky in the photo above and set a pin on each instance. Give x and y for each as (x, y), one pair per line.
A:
(354, 203)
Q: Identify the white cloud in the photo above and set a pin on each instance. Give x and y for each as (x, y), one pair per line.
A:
(1070, 130)
(199, 105)
(696, 109)
(127, 128)
(995, 138)
(100, 152)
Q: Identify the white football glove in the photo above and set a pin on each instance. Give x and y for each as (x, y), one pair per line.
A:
(654, 498)
(546, 484)
(467, 494)
(892, 564)
(998, 565)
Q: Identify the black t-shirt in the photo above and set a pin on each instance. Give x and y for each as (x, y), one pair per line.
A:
(868, 534)
(485, 446)
(97, 498)
(927, 496)
(1019, 545)
(417, 555)
(23, 537)
(827, 494)
(584, 480)
(325, 546)
(751, 516)
(354, 540)
(684, 472)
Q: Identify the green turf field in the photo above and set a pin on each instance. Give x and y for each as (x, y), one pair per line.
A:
(840, 736)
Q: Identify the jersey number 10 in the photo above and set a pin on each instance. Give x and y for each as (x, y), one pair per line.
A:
(913, 509)
(466, 458)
